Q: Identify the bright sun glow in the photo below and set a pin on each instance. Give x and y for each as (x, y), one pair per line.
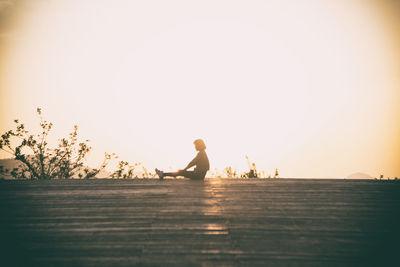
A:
(309, 87)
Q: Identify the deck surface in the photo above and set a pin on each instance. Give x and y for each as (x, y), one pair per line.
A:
(218, 222)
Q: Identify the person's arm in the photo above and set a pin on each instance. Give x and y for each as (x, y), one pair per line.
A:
(192, 163)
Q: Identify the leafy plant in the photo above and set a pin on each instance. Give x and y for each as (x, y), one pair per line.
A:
(125, 170)
(229, 172)
(67, 160)
(148, 174)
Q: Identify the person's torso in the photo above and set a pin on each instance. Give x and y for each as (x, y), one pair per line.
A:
(203, 165)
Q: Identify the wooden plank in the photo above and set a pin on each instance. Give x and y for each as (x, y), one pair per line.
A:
(281, 222)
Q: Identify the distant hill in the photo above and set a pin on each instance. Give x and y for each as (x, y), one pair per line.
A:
(103, 174)
(359, 175)
(10, 163)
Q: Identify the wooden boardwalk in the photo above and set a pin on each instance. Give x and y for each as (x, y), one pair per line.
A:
(218, 222)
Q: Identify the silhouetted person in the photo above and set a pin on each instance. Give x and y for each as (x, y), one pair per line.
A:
(200, 162)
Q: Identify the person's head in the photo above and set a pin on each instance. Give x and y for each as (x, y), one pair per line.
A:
(199, 144)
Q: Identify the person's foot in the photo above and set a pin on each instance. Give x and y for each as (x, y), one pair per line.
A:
(160, 174)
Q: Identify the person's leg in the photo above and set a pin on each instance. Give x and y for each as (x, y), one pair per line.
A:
(173, 174)
(178, 173)
(191, 175)
(187, 174)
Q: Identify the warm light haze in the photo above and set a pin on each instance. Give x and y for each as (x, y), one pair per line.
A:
(309, 87)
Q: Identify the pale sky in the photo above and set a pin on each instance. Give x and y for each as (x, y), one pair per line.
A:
(309, 87)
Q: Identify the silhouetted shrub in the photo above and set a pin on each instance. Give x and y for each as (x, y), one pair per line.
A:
(229, 172)
(125, 170)
(65, 161)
